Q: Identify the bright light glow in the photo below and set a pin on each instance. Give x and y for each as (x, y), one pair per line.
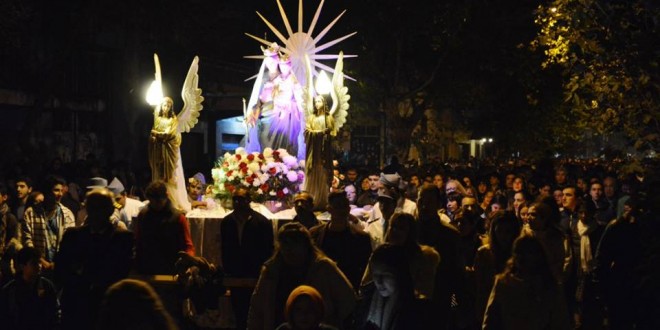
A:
(154, 94)
(490, 140)
(483, 140)
(553, 9)
(323, 84)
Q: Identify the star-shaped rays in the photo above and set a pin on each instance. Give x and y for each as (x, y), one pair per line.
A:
(301, 43)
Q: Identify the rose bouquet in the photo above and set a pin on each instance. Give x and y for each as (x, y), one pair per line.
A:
(272, 175)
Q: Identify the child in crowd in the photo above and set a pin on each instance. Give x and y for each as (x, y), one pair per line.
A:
(304, 310)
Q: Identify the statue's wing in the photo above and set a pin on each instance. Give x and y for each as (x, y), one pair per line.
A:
(192, 99)
(308, 92)
(159, 77)
(340, 112)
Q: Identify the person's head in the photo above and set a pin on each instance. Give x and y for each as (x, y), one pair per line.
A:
(518, 184)
(294, 245)
(558, 195)
(303, 203)
(609, 187)
(28, 263)
(539, 216)
(467, 181)
(133, 304)
(365, 184)
(508, 180)
(195, 188)
(23, 188)
(454, 200)
(482, 187)
(4, 194)
(529, 260)
(524, 213)
(57, 186)
(439, 181)
(166, 107)
(387, 201)
(338, 206)
(454, 186)
(34, 199)
(569, 198)
(402, 230)
(504, 228)
(352, 174)
(304, 308)
(157, 195)
(414, 180)
(488, 198)
(351, 193)
(428, 202)
(99, 205)
(545, 190)
(494, 181)
(519, 198)
(241, 199)
(117, 188)
(561, 176)
(390, 270)
(596, 190)
(499, 202)
(374, 182)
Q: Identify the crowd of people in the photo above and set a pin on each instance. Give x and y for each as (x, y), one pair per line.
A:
(562, 244)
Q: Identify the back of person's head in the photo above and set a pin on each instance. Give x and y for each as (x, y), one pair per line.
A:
(402, 230)
(504, 229)
(529, 260)
(293, 235)
(133, 304)
(99, 203)
(337, 199)
(303, 302)
(429, 200)
(156, 190)
(26, 255)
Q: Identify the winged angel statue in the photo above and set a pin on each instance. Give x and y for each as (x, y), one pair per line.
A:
(322, 124)
(165, 137)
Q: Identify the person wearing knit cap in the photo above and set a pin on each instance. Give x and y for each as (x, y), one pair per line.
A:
(304, 310)
(391, 199)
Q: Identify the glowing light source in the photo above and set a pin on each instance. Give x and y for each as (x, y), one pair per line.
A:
(155, 93)
(323, 84)
(490, 140)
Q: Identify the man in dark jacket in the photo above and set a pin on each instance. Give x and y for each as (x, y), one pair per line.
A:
(91, 258)
(246, 243)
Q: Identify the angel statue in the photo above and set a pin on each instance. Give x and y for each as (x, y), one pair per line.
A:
(274, 115)
(165, 137)
(322, 124)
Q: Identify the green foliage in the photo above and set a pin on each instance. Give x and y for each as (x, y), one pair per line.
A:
(609, 66)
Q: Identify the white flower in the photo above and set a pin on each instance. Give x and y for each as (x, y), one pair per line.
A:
(283, 152)
(272, 193)
(241, 151)
(256, 182)
(268, 152)
(226, 155)
(290, 161)
(292, 176)
(253, 167)
(260, 192)
(285, 191)
(216, 173)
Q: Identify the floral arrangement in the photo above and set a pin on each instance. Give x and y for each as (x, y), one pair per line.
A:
(270, 175)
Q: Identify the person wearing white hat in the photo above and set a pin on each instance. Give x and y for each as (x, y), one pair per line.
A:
(130, 207)
(391, 199)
